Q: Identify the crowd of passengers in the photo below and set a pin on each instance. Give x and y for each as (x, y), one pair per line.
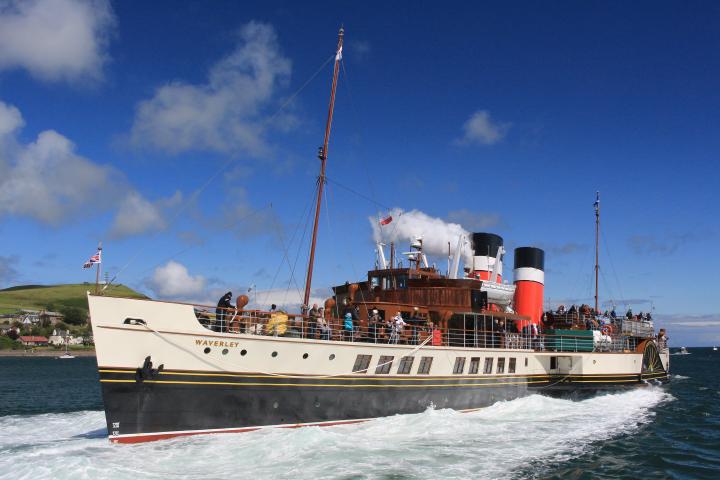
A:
(584, 314)
(411, 329)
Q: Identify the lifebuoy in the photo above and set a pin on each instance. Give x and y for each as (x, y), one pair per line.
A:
(606, 330)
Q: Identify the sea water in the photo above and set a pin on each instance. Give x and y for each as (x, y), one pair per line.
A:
(654, 432)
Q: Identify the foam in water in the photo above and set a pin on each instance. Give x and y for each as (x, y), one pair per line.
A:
(499, 441)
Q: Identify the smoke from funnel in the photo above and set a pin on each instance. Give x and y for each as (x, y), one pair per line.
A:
(435, 232)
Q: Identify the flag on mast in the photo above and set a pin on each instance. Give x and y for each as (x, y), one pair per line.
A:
(387, 220)
(97, 258)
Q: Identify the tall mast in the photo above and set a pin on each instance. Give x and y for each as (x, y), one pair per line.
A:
(322, 155)
(597, 242)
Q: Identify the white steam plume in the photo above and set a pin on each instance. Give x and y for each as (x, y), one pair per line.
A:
(435, 232)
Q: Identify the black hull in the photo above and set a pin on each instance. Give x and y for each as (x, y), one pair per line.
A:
(180, 403)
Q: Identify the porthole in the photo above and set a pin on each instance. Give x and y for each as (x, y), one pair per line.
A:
(305, 355)
(207, 350)
(225, 351)
(275, 405)
(594, 362)
(332, 356)
(243, 352)
(317, 404)
(274, 354)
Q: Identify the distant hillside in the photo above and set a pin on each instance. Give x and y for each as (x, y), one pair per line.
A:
(39, 297)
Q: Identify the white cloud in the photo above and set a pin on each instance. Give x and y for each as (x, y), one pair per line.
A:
(138, 215)
(46, 179)
(225, 114)
(174, 280)
(10, 120)
(481, 129)
(56, 39)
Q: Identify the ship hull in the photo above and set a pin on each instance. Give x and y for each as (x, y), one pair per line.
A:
(199, 403)
(169, 376)
(186, 403)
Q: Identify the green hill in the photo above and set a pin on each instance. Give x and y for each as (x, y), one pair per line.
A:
(55, 297)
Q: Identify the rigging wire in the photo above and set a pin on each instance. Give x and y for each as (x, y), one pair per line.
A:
(352, 263)
(286, 257)
(353, 104)
(224, 167)
(365, 197)
(373, 192)
(612, 266)
(345, 187)
(300, 245)
(185, 250)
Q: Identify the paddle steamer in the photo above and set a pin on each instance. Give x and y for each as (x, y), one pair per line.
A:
(471, 338)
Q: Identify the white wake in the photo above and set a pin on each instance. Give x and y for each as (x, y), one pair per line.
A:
(500, 441)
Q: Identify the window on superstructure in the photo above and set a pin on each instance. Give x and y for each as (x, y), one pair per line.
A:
(501, 365)
(405, 365)
(488, 365)
(553, 363)
(459, 367)
(474, 365)
(384, 364)
(511, 365)
(362, 362)
(425, 364)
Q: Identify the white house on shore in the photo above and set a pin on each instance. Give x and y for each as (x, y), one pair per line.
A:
(61, 337)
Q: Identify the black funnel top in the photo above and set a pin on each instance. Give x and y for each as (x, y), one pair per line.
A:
(486, 244)
(530, 257)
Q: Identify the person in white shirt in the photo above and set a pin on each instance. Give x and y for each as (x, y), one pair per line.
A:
(397, 327)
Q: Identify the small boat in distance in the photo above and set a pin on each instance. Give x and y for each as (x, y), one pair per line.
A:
(683, 351)
(714, 349)
(67, 354)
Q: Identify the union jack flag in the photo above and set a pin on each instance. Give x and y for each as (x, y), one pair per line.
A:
(97, 258)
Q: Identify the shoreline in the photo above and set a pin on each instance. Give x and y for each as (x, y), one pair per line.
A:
(45, 353)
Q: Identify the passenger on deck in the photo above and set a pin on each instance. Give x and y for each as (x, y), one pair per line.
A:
(561, 309)
(629, 314)
(273, 308)
(397, 327)
(313, 316)
(613, 314)
(376, 325)
(323, 325)
(223, 308)
(348, 327)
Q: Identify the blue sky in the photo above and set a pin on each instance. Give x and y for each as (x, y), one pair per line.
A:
(172, 132)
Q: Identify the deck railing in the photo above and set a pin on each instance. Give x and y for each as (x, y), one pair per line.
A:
(287, 325)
